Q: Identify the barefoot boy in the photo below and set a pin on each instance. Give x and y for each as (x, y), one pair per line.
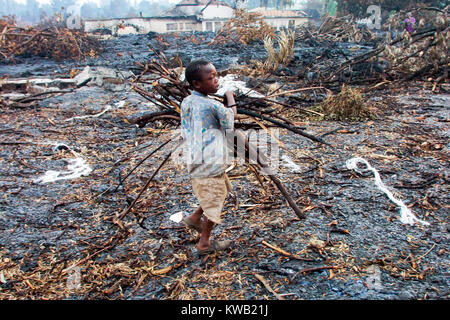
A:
(203, 125)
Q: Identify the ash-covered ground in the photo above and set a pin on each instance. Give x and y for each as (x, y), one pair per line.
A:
(62, 160)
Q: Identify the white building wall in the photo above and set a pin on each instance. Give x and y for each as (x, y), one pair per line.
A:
(217, 11)
(174, 25)
(119, 26)
(284, 22)
(91, 25)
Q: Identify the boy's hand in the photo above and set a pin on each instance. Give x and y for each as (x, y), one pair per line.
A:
(229, 93)
(229, 98)
(229, 101)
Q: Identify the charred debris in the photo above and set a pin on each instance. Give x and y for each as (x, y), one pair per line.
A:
(89, 126)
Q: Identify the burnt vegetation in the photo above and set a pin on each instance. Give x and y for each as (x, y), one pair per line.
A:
(313, 230)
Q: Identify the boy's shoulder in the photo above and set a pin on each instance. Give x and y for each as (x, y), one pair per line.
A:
(201, 100)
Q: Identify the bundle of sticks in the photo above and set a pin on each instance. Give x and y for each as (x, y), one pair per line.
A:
(163, 87)
(51, 42)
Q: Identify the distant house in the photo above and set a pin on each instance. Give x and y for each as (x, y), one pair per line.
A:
(187, 15)
(281, 19)
(207, 15)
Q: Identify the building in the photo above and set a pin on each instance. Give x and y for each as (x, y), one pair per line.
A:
(282, 19)
(187, 15)
(192, 15)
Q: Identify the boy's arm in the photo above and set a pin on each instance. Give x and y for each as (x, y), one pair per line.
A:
(226, 115)
(230, 101)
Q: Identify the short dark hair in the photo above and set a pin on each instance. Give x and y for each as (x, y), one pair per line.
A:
(193, 70)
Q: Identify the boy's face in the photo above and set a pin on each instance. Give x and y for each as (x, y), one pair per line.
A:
(209, 82)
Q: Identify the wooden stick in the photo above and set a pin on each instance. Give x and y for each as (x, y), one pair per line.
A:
(256, 155)
(285, 253)
(293, 91)
(140, 162)
(283, 125)
(311, 270)
(268, 287)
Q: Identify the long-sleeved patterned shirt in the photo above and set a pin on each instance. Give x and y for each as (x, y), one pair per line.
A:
(204, 123)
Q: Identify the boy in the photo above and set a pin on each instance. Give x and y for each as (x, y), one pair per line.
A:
(203, 125)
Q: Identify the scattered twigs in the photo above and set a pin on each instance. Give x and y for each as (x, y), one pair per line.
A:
(126, 211)
(140, 162)
(268, 287)
(311, 270)
(285, 253)
(422, 256)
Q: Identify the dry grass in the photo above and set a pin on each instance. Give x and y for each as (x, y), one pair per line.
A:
(244, 28)
(347, 105)
(284, 55)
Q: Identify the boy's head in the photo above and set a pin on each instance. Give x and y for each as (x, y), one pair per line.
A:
(202, 76)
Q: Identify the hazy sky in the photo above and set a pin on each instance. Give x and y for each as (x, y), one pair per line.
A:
(96, 1)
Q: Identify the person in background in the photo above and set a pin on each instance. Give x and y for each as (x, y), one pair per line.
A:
(410, 22)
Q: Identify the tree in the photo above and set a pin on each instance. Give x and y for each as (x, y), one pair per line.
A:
(315, 5)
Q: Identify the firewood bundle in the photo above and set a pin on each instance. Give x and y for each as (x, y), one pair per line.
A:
(162, 86)
(51, 42)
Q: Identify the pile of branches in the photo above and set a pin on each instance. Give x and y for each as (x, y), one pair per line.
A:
(335, 29)
(51, 42)
(424, 53)
(244, 28)
(349, 104)
(163, 87)
(420, 55)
